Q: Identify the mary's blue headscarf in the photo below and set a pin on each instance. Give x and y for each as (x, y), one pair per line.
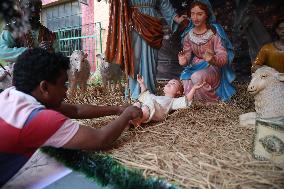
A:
(225, 90)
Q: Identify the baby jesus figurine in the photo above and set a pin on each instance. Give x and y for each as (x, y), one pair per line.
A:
(156, 108)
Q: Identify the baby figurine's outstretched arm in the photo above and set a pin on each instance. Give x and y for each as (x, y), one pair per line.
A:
(140, 80)
(195, 87)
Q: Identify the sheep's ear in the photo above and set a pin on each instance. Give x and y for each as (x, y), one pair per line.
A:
(98, 55)
(85, 55)
(280, 76)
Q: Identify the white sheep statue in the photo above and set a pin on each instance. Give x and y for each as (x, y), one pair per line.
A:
(5, 77)
(267, 86)
(110, 73)
(79, 71)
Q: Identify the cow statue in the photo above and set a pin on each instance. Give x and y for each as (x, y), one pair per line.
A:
(111, 74)
(79, 71)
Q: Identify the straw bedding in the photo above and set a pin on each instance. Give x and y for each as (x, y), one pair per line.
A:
(202, 146)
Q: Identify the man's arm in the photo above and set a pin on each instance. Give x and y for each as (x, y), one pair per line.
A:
(95, 139)
(86, 111)
(8, 51)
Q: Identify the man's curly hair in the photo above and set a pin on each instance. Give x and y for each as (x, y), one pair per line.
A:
(36, 65)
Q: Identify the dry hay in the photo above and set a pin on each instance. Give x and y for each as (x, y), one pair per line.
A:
(201, 146)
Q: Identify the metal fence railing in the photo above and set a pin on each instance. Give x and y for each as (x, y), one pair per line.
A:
(87, 38)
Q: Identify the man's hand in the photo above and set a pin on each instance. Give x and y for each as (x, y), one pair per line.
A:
(137, 104)
(122, 108)
(133, 112)
(46, 45)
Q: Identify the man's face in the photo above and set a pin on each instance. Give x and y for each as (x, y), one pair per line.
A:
(57, 91)
(280, 30)
(31, 9)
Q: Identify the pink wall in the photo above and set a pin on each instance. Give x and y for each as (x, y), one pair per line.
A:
(88, 28)
(44, 2)
(88, 13)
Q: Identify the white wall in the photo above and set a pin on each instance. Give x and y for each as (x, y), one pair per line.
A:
(101, 14)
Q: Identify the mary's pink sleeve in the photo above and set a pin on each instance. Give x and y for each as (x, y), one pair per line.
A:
(187, 47)
(221, 56)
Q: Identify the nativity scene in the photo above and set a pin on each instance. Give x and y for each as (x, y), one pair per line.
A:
(163, 94)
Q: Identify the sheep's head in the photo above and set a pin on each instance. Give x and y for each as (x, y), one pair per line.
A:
(262, 78)
(77, 59)
(104, 64)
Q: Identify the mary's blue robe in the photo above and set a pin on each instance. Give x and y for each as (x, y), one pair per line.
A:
(145, 57)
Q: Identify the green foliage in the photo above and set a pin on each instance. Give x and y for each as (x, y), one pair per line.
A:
(105, 170)
(95, 79)
(3, 63)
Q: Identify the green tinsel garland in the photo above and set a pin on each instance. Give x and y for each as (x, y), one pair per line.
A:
(105, 170)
